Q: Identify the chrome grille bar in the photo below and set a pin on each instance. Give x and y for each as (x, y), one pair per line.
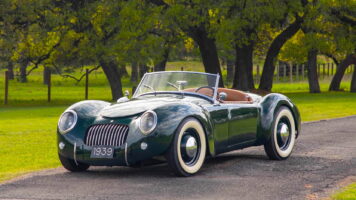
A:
(106, 135)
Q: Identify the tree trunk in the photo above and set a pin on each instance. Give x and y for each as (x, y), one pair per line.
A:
(10, 69)
(161, 65)
(340, 71)
(353, 81)
(208, 51)
(230, 67)
(312, 71)
(243, 77)
(23, 72)
(46, 75)
(142, 69)
(111, 71)
(273, 51)
(134, 72)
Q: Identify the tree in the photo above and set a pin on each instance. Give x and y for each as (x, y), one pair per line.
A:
(278, 42)
(341, 16)
(237, 24)
(340, 71)
(192, 17)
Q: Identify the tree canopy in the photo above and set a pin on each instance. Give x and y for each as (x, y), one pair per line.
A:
(112, 34)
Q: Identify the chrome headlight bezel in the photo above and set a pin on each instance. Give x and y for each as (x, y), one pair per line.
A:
(142, 120)
(75, 120)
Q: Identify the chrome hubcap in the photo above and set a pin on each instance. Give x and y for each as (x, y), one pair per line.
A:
(283, 134)
(189, 149)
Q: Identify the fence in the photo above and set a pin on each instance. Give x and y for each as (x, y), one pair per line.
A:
(285, 72)
(298, 72)
(47, 77)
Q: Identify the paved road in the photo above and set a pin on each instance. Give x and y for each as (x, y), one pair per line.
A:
(325, 154)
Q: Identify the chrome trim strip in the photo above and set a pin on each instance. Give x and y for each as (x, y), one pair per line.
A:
(112, 137)
(127, 163)
(111, 132)
(75, 153)
(216, 102)
(118, 136)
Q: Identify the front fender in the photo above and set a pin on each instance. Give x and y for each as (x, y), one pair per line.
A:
(169, 118)
(269, 106)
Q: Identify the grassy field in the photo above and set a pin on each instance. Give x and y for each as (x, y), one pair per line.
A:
(348, 193)
(28, 123)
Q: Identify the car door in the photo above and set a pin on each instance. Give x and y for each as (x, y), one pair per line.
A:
(242, 123)
(220, 118)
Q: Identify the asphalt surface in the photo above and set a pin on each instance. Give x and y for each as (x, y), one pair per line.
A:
(324, 155)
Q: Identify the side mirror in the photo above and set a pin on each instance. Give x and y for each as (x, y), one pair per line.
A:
(222, 96)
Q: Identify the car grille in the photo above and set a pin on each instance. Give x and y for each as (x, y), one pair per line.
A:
(106, 135)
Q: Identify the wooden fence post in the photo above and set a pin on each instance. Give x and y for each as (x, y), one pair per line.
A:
(291, 72)
(86, 83)
(6, 86)
(323, 70)
(49, 86)
(278, 70)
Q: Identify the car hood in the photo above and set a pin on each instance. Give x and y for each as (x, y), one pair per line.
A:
(136, 106)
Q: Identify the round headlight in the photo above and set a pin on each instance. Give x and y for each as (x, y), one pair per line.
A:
(148, 122)
(67, 121)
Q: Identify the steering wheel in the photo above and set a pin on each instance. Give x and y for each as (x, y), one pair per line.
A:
(208, 87)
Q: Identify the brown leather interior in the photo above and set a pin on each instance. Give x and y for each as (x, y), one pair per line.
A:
(233, 96)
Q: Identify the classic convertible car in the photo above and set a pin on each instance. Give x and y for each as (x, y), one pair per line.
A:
(180, 116)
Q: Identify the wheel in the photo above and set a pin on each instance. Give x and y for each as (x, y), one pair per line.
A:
(70, 164)
(281, 143)
(187, 152)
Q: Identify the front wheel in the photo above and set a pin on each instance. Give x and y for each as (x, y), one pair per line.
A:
(187, 152)
(71, 165)
(282, 140)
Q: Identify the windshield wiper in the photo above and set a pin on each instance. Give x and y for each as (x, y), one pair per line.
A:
(171, 84)
(149, 87)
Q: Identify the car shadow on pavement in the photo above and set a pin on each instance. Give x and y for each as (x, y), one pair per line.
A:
(163, 170)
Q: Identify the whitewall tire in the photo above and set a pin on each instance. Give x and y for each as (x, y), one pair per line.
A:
(187, 152)
(282, 140)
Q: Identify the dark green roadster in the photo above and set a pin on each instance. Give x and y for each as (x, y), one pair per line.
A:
(182, 117)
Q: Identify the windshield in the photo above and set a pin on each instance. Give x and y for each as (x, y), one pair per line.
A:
(195, 82)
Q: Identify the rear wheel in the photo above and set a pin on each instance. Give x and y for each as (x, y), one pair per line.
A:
(187, 152)
(71, 165)
(282, 140)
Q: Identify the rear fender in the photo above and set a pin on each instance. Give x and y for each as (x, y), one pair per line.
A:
(269, 106)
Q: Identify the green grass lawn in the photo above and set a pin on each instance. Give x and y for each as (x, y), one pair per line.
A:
(28, 123)
(27, 139)
(348, 193)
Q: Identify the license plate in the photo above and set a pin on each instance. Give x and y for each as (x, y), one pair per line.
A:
(102, 152)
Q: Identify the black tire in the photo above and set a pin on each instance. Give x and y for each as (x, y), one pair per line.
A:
(71, 165)
(281, 143)
(180, 159)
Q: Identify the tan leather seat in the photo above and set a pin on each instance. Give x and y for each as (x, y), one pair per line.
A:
(233, 96)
